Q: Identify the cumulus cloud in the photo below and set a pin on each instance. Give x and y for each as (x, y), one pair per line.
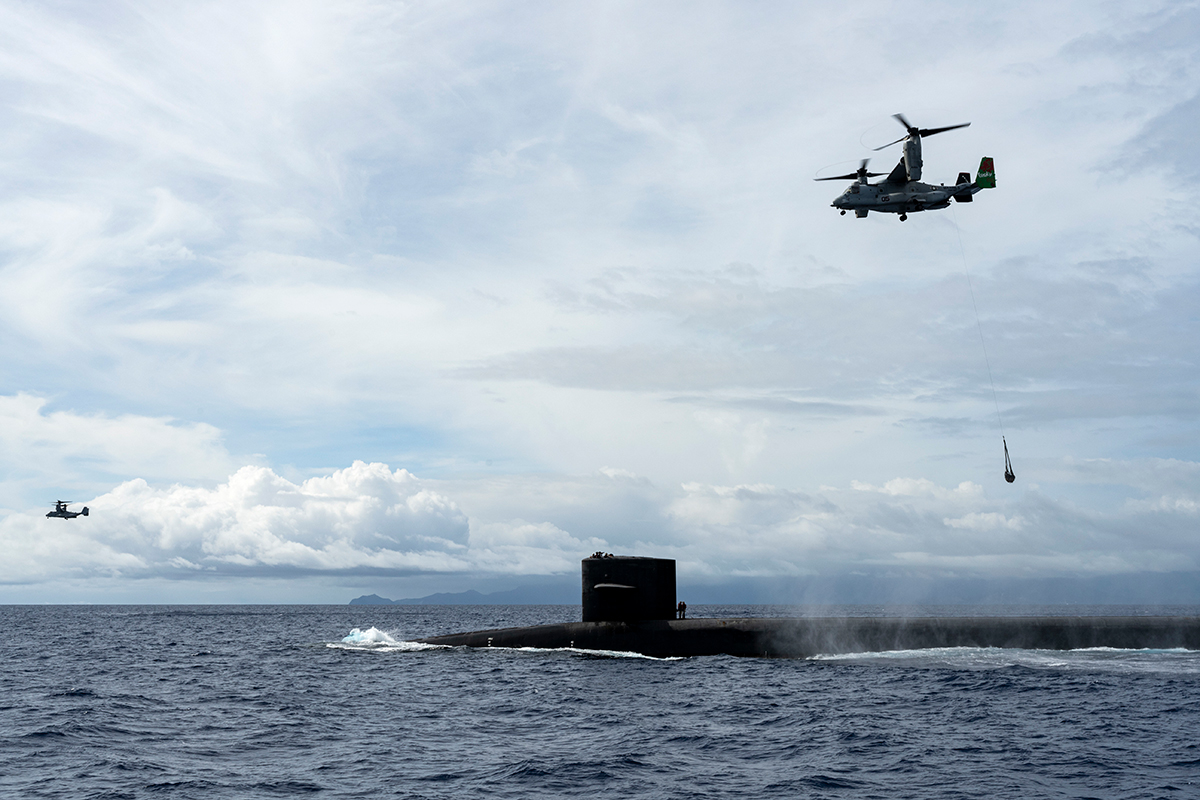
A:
(361, 518)
(921, 528)
(368, 520)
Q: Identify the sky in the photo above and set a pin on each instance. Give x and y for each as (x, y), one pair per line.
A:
(308, 300)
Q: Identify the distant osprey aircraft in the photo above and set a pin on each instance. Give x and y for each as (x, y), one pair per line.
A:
(60, 510)
(902, 192)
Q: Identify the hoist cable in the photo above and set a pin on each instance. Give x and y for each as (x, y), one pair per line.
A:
(1009, 476)
(978, 324)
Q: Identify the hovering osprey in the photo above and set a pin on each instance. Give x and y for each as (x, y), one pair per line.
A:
(902, 192)
(60, 510)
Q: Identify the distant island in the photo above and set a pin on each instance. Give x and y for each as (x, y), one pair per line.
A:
(1141, 588)
(525, 595)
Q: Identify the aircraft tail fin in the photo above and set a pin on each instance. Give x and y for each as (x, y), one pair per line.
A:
(965, 195)
(986, 179)
(85, 511)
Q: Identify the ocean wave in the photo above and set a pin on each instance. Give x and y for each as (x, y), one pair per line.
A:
(271, 712)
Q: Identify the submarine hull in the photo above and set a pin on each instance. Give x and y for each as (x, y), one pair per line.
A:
(809, 636)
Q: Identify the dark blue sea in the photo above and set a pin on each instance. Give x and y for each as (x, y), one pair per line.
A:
(335, 701)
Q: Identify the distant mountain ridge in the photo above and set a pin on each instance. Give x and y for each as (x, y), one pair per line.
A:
(513, 597)
(1175, 588)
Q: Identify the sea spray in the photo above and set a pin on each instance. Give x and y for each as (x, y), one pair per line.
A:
(374, 639)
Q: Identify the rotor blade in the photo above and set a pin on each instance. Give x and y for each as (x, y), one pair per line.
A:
(932, 131)
(900, 117)
(850, 176)
(889, 144)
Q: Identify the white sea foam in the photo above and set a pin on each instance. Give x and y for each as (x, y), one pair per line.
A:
(940, 653)
(1092, 658)
(371, 635)
(1144, 650)
(375, 640)
(600, 653)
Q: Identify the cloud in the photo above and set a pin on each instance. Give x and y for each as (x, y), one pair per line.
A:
(362, 518)
(41, 447)
(526, 548)
(985, 521)
(544, 240)
(921, 487)
(369, 521)
(917, 527)
(1103, 326)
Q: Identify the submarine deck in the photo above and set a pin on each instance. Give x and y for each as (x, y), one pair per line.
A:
(804, 637)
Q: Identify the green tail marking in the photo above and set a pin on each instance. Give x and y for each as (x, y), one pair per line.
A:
(986, 179)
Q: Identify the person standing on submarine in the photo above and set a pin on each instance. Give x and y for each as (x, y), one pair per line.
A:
(682, 610)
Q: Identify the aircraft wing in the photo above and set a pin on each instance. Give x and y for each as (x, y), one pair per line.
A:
(898, 175)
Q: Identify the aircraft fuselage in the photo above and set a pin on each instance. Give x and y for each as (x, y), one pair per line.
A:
(899, 198)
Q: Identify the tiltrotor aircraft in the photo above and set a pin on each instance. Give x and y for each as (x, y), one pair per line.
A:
(902, 192)
(60, 510)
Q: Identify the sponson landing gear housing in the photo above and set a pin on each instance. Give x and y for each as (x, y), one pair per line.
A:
(628, 588)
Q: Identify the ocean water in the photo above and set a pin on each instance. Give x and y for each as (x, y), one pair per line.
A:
(336, 701)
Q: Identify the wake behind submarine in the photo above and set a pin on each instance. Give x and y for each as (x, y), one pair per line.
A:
(629, 606)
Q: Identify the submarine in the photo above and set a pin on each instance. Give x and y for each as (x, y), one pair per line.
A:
(629, 606)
